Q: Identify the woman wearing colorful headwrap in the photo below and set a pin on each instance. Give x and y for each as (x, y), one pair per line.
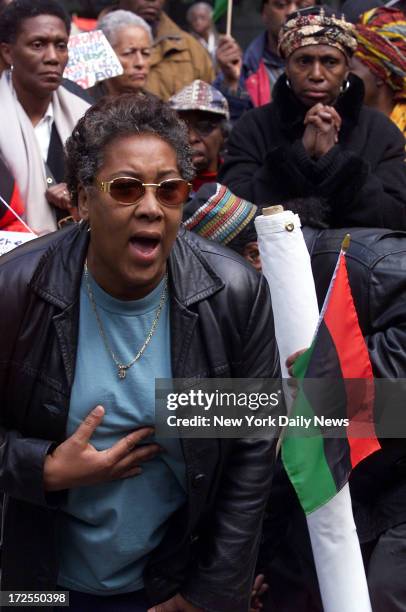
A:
(380, 61)
(317, 139)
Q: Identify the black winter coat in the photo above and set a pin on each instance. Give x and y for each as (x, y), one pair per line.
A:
(221, 326)
(362, 179)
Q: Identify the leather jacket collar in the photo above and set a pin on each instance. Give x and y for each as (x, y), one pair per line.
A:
(59, 273)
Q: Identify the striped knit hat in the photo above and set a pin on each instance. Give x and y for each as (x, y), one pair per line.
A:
(217, 214)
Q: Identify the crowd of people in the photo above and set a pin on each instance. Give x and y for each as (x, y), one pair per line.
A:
(143, 191)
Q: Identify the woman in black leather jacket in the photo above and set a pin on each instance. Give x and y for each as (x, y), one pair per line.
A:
(183, 528)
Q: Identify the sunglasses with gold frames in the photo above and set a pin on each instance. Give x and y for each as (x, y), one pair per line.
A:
(128, 190)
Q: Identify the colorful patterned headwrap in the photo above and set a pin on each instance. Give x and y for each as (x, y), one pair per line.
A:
(316, 27)
(381, 36)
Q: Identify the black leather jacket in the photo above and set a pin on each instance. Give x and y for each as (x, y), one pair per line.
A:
(221, 326)
(376, 263)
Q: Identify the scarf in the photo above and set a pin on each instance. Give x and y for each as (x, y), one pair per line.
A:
(315, 27)
(19, 147)
(381, 36)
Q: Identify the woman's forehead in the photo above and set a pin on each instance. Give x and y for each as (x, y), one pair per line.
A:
(318, 52)
(41, 25)
(143, 153)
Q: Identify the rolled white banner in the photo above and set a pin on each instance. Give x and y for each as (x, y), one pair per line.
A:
(287, 267)
(337, 556)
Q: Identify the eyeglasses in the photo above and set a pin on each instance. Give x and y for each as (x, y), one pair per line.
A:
(204, 127)
(128, 190)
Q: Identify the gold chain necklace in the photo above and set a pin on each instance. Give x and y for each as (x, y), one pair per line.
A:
(122, 367)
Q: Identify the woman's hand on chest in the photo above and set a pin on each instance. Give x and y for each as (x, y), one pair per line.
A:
(76, 462)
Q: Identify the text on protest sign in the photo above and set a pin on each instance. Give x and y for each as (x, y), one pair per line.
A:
(91, 59)
(11, 240)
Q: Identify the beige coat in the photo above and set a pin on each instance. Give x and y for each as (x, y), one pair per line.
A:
(177, 60)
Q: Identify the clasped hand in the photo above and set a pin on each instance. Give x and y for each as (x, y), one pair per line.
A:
(323, 124)
(76, 462)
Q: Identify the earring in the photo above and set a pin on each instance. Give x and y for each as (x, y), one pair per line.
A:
(288, 83)
(11, 68)
(182, 229)
(345, 86)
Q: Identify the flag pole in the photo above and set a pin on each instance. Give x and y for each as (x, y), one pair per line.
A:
(345, 245)
(229, 17)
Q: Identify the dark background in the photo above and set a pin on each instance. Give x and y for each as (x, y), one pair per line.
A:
(246, 16)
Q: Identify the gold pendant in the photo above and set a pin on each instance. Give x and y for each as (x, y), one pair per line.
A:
(121, 372)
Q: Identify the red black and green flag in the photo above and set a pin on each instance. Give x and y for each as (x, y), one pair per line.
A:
(335, 382)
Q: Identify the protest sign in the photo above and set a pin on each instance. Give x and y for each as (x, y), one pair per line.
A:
(11, 240)
(91, 59)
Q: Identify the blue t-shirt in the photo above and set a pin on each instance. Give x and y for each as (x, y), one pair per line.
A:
(107, 531)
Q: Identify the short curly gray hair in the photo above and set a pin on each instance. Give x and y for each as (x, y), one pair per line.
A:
(111, 23)
(114, 117)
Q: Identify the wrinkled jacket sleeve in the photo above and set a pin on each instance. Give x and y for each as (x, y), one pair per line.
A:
(386, 339)
(386, 342)
(21, 458)
(224, 578)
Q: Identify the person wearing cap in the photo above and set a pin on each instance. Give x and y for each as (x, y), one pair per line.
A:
(380, 61)
(317, 138)
(205, 112)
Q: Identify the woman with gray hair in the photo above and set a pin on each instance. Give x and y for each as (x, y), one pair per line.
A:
(131, 38)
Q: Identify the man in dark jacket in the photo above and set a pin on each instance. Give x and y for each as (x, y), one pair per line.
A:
(221, 326)
(359, 170)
